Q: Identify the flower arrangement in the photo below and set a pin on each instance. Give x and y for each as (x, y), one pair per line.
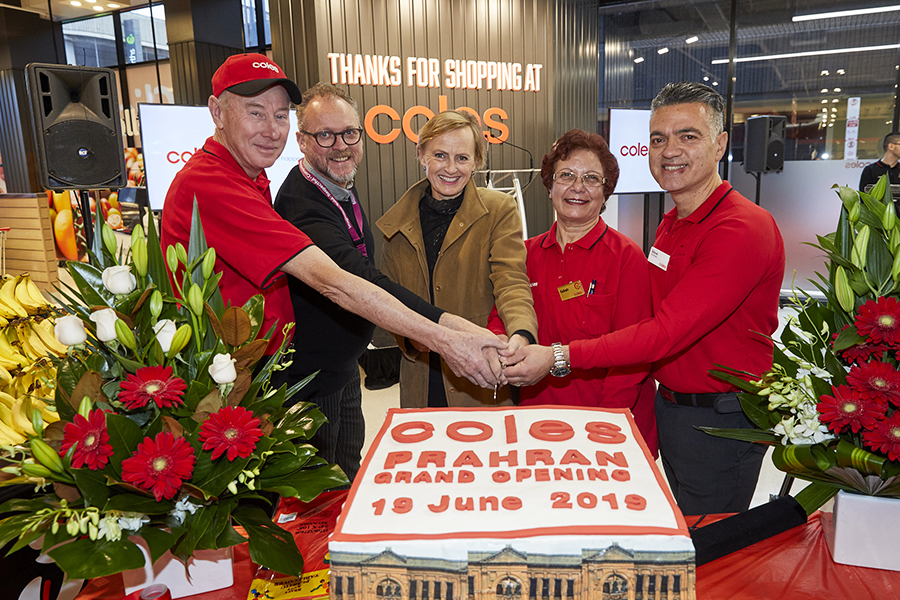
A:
(168, 424)
(831, 403)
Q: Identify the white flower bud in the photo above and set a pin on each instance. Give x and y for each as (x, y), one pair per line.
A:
(119, 280)
(70, 330)
(222, 369)
(106, 324)
(165, 331)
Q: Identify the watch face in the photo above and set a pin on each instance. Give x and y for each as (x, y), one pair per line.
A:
(560, 371)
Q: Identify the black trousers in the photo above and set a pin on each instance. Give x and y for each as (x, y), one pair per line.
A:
(707, 474)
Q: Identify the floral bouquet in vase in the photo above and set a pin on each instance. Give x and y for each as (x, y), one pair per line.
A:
(168, 424)
(831, 403)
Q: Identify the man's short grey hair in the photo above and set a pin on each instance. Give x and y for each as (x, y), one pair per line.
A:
(323, 90)
(690, 92)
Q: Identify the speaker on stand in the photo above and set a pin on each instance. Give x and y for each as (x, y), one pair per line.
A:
(764, 146)
(78, 131)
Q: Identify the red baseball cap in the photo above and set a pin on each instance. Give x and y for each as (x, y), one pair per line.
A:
(250, 74)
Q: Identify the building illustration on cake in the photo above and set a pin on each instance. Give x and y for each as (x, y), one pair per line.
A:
(525, 503)
(612, 573)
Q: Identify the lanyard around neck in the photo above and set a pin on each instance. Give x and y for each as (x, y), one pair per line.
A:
(355, 234)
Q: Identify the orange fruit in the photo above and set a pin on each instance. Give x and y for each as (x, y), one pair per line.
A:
(64, 230)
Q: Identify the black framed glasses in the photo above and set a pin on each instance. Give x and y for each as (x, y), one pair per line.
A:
(327, 139)
(590, 180)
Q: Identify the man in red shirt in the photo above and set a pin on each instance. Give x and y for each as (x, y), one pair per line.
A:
(716, 270)
(255, 247)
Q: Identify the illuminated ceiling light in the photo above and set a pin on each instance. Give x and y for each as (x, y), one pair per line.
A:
(97, 8)
(75, 3)
(724, 61)
(845, 13)
(691, 39)
(824, 91)
(825, 110)
(662, 50)
(836, 90)
(840, 71)
(715, 83)
(824, 72)
(639, 59)
(706, 79)
(835, 100)
(833, 110)
(825, 101)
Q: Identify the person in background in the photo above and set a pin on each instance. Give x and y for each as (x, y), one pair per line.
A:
(319, 197)
(889, 163)
(461, 248)
(716, 270)
(587, 279)
(254, 246)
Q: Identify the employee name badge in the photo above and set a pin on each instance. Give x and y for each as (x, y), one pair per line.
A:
(659, 258)
(573, 289)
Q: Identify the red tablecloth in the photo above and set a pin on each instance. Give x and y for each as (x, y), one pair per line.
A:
(794, 565)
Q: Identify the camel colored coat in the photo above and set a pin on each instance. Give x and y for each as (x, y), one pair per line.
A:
(482, 262)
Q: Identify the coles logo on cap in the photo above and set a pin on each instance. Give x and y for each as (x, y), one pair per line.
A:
(266, 65)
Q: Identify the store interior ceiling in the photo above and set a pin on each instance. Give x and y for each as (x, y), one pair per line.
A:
(64, 10)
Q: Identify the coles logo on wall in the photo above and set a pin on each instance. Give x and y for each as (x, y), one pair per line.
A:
(383, 123)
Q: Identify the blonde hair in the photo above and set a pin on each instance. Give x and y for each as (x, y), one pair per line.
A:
(451, 120)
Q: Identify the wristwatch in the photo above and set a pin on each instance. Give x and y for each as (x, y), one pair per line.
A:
(561, 366)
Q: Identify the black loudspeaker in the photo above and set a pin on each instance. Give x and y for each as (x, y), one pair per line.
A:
(79, 135)
(764, 144)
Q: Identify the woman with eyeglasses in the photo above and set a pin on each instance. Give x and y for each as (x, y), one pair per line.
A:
(460, 247)
(587, 279)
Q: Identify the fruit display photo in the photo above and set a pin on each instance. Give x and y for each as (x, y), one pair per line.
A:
(68, 222)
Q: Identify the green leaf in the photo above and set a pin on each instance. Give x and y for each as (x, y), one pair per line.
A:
(847, 338)
(89, 280)
(213, 476)
(86, 559)
(156, 261)
(221, 520)
(743, 435)
(12, 527)
(270, 545)
(254, 308)
(124, 436)
(229, 537)
(137, 503)
(743, 384)
(158, 541)
(756, 408)
(879, 260)
(814, 496)
(195, 526)
(309, 483)
(92, 485)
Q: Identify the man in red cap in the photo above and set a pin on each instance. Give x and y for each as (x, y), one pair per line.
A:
(254, 246)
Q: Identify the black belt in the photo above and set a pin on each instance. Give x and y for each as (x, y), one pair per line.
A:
(701, 400)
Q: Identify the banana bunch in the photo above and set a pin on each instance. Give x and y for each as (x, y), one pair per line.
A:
(20, 297)
(27, 346)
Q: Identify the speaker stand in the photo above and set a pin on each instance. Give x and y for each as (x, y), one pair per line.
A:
(87, 216)
(757, 175)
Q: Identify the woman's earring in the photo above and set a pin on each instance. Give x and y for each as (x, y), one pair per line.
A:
(423, 167)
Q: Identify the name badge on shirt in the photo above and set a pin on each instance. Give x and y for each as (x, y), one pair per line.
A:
(571, 290)
(659, 258)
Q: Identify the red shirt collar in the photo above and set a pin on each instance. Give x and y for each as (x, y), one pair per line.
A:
(705, 209)
(221, 152)
(587, 241)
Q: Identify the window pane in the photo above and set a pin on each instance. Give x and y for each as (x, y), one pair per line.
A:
(138, 31)
(91, 42)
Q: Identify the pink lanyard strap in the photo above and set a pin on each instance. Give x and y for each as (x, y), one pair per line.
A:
(357, 212)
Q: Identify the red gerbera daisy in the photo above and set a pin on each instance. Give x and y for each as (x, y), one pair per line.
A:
(160, 465)
(885, 436)
(93, 449)
(860, 352)
(847, 409)
(233, 430)
(876, 380)
(152, 383)
(880, 321)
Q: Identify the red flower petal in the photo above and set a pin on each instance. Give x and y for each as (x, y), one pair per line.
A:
(885, 436)
(93, 449)
(880, 321)
(876, 380)
(152, 383)
(847, 409)
(160, 465)
(232, 430)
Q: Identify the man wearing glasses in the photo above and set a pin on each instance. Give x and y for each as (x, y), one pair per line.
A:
(319, 198)
(254, 246)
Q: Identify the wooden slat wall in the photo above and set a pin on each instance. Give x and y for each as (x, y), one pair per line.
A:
(17, 145)
(29, 243)
(560, 35)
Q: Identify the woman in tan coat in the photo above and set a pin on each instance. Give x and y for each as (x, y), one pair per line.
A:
(461, 248)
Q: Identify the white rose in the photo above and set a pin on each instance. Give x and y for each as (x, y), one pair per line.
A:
(165, 331)
(106, 324)
(70, 330)
(222, 369)
(119, 280)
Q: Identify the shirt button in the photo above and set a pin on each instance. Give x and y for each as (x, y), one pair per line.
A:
(461, 224)
(437, 287)
(452, 390)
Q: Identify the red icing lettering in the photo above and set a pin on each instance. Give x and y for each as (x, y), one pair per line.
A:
(383, 478)
(454, 431)
(551, 431)
(542, 474)
(486, 501)
(500, 476)
(618, 459)
(395, 458)
(511, 459)
(604, 433)
(574, 456)
(509, 423)
(523, 474)
(423, 477)
(532, 457)
(467, 459)
(439, 508)
(511, 503)
(466, 476)
(405, 432)
(432, 457)
(620, 475)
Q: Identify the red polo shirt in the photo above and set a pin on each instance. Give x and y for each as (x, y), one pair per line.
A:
(621, 297)
(252, 242)
(717, 293)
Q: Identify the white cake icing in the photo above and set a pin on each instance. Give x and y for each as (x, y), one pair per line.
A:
(446, 482)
